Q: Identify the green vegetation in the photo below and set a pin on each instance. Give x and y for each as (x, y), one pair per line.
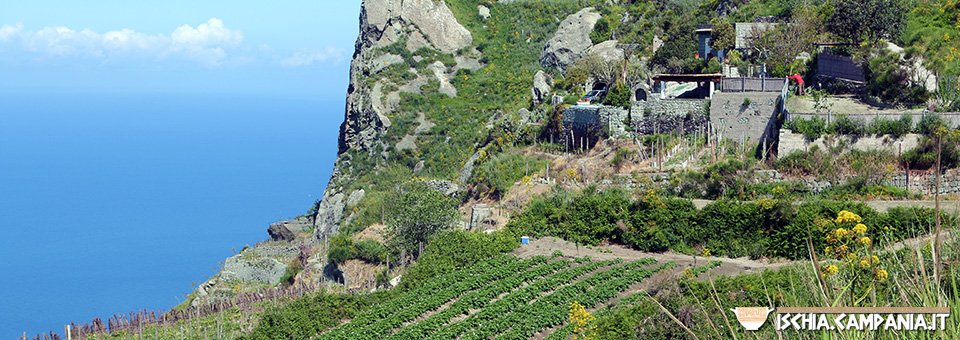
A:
(308, 316)
(421, 213)
(343, 248)
(619, 96)
(889, 278)
(497, 174)
(455, 249)
(870, 20)
(843, 124)
(768, 227)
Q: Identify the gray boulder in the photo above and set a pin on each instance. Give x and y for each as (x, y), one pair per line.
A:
(288, 230)
(483, 11)
(541, 87)
(447, 188)
(329, 212)
(606, 50)
(263, 269)
(571, 40)
(437, 23)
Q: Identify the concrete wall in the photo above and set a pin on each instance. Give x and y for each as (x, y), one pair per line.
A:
(790, 142)
(756, 122)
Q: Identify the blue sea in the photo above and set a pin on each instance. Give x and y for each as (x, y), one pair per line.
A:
(111, 203)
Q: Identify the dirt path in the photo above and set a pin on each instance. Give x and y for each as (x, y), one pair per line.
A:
(546, 246)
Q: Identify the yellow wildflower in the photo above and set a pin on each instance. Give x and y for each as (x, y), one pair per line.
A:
(880, 274)
(830, 270)
(828, 250)
(864, 264)
(860, 228)
(840, 232)
(851, 256)
(842, 249)
(875, 259)
(846, 216)
(864, 240)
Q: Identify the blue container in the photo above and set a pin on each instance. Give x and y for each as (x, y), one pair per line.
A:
(524, 240)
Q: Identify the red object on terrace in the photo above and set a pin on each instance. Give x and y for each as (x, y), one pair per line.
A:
(797, 77)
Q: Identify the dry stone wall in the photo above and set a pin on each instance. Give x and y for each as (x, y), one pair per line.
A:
(790, 142)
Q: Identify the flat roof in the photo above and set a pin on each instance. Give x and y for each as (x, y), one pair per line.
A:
(693, 77)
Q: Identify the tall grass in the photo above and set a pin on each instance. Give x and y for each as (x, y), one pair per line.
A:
(706, 304)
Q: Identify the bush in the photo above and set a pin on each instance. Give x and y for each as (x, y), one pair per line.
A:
(811, 128)
(455, 249)
(422, 212)
(343, 248)
(900, 127)
(929, 123)
(619, 96)
(924, 156)
(501, 171)
(844, 125)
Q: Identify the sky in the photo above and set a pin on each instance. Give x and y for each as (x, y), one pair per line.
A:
(280, 47)
(143, 142)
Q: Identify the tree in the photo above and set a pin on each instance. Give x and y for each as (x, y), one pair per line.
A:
(422, 213)
(722, 36)
(781, 44)
(867, 20)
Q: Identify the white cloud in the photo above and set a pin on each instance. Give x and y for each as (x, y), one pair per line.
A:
(330, 54)
(7, 32)
(211, 33)
(207, 44)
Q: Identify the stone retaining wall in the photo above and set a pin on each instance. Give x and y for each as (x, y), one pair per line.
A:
(673, 107)
(790, 142)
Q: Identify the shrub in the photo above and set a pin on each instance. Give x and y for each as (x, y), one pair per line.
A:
(811, 128)
(421, 213)
(844, 125)
(619, 96)
(900, 127)
(455, 249)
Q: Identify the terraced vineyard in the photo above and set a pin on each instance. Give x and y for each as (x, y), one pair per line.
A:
(504, 297)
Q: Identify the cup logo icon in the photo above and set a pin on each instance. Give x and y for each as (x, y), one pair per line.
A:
(752, 317)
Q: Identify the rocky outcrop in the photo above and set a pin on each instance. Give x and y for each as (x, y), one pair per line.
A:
(483, 11)
(440, 72)
(378, 19)
(263, 269)
(288, 230)
(426, 24)
(571, 40)
(607, 50)
(541, 87)
(329, 212)
(447, 188)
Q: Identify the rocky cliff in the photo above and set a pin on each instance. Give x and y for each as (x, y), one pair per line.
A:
(415, 24)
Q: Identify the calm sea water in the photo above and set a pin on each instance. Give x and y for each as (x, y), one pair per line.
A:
(116, 202)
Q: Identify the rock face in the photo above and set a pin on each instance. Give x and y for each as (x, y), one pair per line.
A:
(288, 230)
(571, 40)
(541, 87)
(382, 23)
(328, 213)
(425, 24)
(607, 51)
(264, 269)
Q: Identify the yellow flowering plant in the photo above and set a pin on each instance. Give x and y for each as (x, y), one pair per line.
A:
(849, 243)
(583, 321)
